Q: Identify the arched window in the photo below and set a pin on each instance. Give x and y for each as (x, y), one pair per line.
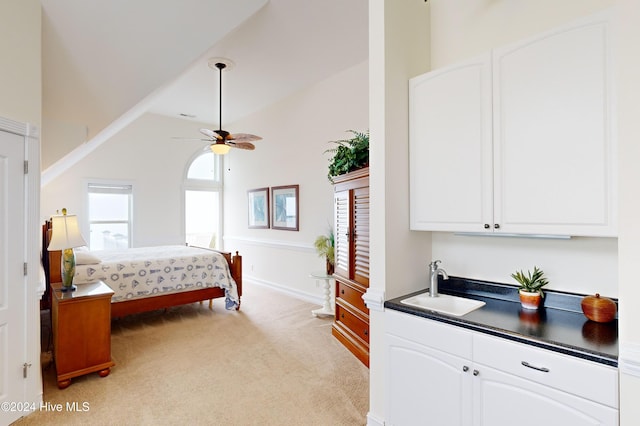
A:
(203, 201)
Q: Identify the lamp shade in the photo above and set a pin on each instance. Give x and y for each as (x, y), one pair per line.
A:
(220, 148)
(65, 233)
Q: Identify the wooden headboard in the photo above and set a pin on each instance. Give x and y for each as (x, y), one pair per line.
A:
(50, 264)
(50, 259)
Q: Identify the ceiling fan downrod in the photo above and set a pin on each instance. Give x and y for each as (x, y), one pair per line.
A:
(220, 67)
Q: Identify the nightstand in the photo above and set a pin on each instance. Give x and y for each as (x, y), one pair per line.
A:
(81, 322)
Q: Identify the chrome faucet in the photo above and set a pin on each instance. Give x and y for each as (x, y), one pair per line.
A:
(434, 271)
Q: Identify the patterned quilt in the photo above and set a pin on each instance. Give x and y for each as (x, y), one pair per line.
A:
(146, 271)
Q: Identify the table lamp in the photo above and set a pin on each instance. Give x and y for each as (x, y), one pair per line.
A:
(65, 236)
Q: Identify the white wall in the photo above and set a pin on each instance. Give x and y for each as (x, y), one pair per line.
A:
(398, 50)
(145, 155)
(296, 132)
(462, 29)
(20, 64)
(629, 235)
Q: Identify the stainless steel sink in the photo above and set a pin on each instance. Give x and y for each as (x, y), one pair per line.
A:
(444, 303)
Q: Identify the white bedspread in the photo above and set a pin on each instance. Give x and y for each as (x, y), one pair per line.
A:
(146, 271)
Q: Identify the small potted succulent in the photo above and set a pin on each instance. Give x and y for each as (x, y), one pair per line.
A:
(530, 287)
(325, 247)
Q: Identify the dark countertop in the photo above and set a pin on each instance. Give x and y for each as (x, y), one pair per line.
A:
(559, 325)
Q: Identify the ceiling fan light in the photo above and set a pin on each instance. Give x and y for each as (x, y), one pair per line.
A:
(220, 148)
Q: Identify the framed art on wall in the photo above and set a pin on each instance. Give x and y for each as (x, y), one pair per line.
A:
(258, 208)
(284, 210)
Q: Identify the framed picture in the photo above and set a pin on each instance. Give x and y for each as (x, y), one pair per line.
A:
(284, 211)
(258, 207)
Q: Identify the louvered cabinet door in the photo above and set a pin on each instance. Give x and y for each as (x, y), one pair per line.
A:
(342, 237)
(360, 217)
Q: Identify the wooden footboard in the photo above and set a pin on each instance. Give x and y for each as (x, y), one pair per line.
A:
(51, 265)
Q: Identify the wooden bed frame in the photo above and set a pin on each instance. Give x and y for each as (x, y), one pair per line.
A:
(51, 265)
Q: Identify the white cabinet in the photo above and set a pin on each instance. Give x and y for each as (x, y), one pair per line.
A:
(520, 140)
(536, 386)
(450, 153)
(445, 375)
(427, 383)
(502, 399)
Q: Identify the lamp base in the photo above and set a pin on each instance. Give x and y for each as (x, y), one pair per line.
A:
(68, 269)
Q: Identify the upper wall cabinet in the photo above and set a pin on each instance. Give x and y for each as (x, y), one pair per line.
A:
(520, 140)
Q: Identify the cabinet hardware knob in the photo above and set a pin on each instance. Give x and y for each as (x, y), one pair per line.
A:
(496, 225)
(543, 369)
(342, 291)
(465, 368)
(486, 226)
(476, 372)
(366, 332)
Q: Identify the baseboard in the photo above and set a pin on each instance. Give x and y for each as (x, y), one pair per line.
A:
(373, 420)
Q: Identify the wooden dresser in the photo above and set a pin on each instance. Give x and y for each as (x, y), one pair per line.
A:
(351, 221)
(81, 322)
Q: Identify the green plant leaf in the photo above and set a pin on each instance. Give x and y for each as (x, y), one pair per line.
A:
(531, 281)
(349, 154)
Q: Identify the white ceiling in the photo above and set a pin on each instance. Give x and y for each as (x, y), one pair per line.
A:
(104, 59)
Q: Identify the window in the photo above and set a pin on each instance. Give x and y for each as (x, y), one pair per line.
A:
(109, 215)
(203, 201)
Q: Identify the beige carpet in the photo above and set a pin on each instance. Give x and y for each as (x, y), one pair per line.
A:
(271, 363)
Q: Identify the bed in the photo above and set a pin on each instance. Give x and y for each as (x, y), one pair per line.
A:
(150, 278)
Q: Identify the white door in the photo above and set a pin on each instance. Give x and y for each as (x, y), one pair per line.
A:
(554, 145)
(426, 386)
(502, 399)
(12, 280)
(451, 178)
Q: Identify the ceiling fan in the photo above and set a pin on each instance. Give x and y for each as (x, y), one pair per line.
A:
(221, 140)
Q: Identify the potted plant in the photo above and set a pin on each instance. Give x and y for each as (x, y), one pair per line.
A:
(325, 247)
(530, 287)
(350, 154)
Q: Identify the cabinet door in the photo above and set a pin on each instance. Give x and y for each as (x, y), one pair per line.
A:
(553, 133)
(360, 273)
(352, 234)
(450, 148)
(501, 399)
(426, 386)
(342, 219)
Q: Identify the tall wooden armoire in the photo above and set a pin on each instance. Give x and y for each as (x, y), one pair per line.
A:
(351, 221)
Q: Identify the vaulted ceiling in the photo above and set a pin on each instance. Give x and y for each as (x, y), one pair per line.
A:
(105, 62)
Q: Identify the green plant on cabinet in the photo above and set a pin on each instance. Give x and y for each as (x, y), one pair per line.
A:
(349, 154)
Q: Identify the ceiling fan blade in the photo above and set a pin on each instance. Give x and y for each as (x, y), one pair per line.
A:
(241, 145)
(243, 137)
(210, 133)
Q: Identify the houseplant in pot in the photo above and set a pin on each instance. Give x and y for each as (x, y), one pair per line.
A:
(325, 247)
(349, 154)
(530, 287)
